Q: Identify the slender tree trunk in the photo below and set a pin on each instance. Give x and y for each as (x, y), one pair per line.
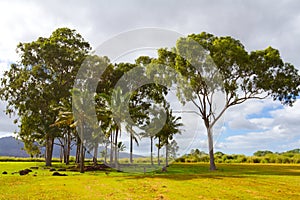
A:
(212, 165)
(151, 149)
(131, 147)
(81, 150)
(116, 148)
(61, 153)
(65, 149)
(167, 149)
(158, 149)
(96, 152)
(105, 153)
(49, 150)
(111, 148)
(77, 160)
(68, 149)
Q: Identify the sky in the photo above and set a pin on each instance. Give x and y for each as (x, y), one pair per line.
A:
(254, 125)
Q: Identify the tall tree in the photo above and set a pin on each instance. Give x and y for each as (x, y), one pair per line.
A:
(221, 64)
(43, 78)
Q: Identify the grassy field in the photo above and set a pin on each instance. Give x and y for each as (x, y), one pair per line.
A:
(182, 181)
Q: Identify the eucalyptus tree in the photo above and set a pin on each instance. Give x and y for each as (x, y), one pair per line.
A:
(207, 64)
(42, 78)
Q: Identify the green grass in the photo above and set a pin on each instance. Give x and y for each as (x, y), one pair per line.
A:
(182, 181)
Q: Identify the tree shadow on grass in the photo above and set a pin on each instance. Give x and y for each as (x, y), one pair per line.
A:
(188, 172)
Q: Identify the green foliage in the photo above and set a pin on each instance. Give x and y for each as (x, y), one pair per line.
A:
(288, 157)
(42, 79)
(262, 153)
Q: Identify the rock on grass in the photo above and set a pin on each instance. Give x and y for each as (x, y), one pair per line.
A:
(58, 174)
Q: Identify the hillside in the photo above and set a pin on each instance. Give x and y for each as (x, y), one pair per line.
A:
(9, 146)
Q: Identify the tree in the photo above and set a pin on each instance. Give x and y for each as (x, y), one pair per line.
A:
(166, 134)
(43, 78)
(121, 147)
(210, 64)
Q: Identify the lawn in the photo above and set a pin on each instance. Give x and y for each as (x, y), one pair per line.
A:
(182, 181)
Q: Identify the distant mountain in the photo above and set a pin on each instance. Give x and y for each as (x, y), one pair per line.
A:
(10, 146)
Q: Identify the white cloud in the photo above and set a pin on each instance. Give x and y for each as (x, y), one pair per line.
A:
(278, 133)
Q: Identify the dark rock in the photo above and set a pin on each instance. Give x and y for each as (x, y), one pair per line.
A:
(23, 172)
(34, 167)
(58, 174)
(4, 172)
(28, 170)
(52, 169)
(62, 170)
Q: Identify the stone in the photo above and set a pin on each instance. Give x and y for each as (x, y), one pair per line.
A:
(58, 174)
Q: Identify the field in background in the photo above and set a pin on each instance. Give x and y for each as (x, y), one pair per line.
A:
(182, 181)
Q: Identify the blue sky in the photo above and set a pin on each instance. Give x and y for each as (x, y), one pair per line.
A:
(257, 24)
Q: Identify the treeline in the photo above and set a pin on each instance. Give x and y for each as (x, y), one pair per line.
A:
(288, 157)
(50, 96)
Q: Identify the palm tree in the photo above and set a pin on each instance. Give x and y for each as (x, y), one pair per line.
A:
(121, 147)
(171, 127)
(133, 136)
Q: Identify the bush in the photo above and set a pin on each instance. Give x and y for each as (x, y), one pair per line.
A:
(253, 159)
(181, 159)
(241, 159)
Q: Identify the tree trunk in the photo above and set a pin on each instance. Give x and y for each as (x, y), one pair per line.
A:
(158, 148)
(105, 153)
(212, 165)
(151, 150)
(61, 153)
(49, 150)
(167, 149)
(77, 160)
(68, 149)
(65, 149)
(116, 148)
(95, 152)
(81, 150)
(111, 148)
(131, 147)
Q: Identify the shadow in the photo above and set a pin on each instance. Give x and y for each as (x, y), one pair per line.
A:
(181, 172)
